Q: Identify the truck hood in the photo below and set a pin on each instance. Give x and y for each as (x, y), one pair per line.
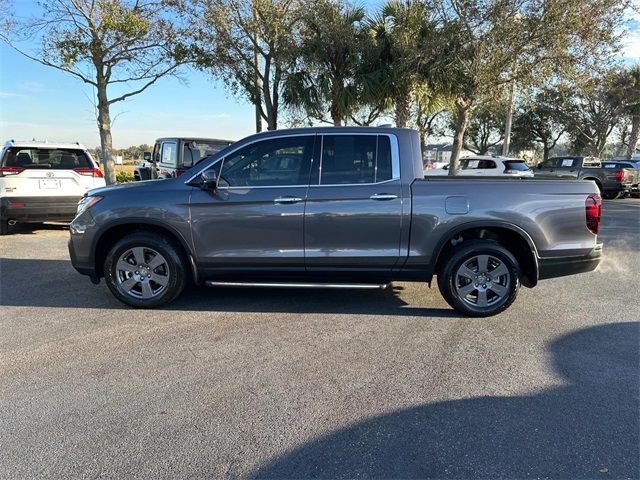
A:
(145, 184)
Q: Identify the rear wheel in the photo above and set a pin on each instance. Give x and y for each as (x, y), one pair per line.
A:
(480, 278)
(4, 227)
(145, 270)
(612, 195)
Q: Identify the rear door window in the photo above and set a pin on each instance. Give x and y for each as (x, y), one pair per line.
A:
(486, 164)
(516, 165)
(355, 159)
(551, 163)
(46, 158)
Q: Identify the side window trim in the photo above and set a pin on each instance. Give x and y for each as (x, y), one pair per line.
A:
(395, 159)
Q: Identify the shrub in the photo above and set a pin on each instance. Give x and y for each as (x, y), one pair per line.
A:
(124, 177)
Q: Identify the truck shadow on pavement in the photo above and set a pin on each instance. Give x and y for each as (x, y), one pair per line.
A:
(54, 283)
(587, 428)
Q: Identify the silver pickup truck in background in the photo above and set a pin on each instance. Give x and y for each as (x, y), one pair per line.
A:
(337, 208)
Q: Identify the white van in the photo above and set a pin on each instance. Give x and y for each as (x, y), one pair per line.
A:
(41, 181)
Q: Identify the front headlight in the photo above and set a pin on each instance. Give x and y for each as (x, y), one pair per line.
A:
(86, 203)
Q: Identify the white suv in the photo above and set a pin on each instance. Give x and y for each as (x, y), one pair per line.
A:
(42, 181)
(487, 166)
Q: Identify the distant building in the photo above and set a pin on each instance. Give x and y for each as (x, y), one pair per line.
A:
(439, 154)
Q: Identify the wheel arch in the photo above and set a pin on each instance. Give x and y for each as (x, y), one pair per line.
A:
(114, 231)
(512, 237)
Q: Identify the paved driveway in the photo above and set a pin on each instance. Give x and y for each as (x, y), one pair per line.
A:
(275, 383)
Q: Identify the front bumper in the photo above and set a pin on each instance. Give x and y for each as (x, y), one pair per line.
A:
(82, 232)
(39, 209)
(562, 266)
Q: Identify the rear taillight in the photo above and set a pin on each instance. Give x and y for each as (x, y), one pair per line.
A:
(179, 172)
(593, 208)
(619, 176)
(89, 172)
(4, 171)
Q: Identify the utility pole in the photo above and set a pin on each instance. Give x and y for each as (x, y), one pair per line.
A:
(507, 128)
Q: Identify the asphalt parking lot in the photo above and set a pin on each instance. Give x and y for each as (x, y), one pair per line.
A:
(279, 384)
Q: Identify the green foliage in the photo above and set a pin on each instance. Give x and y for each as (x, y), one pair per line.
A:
(541, 121)
(404, 32)
(486, 127)
(625, 91)
(590, 113)
(248, 45)
(486, 45)
(123, 177)
(328, 76)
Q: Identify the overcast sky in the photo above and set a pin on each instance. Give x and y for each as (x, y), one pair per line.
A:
(42, 103)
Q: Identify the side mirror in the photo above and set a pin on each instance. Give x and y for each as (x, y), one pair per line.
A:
(146, 156)
(209, 180)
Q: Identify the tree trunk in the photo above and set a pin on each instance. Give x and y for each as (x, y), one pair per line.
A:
(422, 132)
(545, 152)
(633, 137)
(336, 117)
(403, 110)
(270, 104)
(106, 142)
(463, 109)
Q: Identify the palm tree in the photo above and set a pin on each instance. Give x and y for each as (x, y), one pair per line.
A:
(326, 77)
(401, 29)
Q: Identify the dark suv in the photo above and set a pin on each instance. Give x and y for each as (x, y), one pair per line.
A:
(174, 155)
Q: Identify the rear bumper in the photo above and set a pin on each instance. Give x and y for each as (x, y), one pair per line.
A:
(562, 266)
(39, 209)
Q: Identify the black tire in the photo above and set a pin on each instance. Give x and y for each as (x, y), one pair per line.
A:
(611, 195)
(172, 271)
(4, 227)
(465, 255)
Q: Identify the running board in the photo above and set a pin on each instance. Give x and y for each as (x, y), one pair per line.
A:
(360, 286)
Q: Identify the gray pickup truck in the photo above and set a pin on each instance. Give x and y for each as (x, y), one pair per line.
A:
(612, 182)
(334, 208)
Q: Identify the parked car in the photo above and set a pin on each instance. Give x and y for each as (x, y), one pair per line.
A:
(612, 183)
(337, 208)
(171, 157)
(631, 171)
(487, 166)
(42, 181)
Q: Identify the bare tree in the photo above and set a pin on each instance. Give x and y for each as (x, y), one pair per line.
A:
(122, 45)
(250, 45)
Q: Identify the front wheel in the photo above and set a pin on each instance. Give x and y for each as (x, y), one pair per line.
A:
(480, 278)
(145, 270)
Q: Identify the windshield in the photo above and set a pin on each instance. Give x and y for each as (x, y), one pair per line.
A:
(516, 165)
(46, 158)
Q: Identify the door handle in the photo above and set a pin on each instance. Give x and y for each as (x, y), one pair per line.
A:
(287, 200)
(383, 196)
